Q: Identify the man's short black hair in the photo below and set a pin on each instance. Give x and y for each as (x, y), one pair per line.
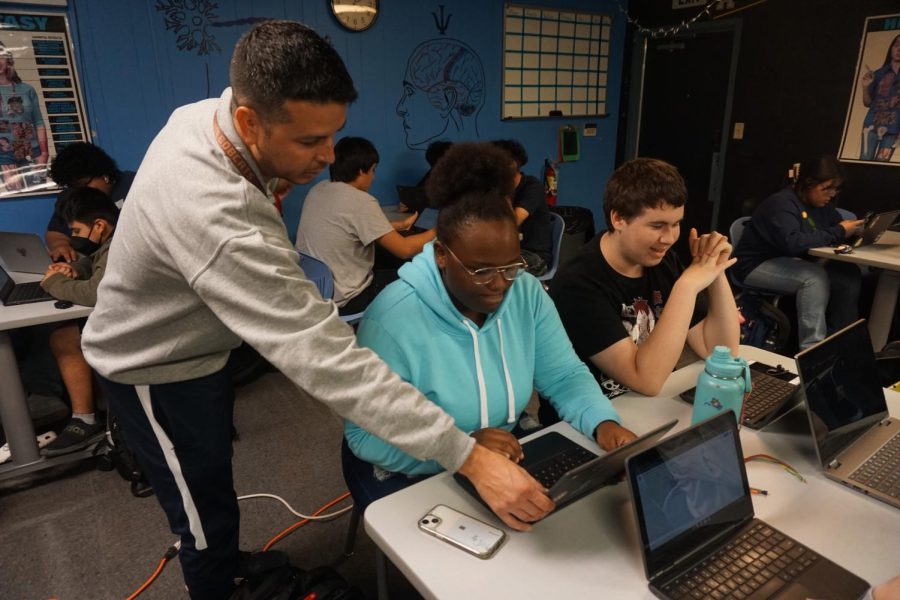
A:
(277, 61)
(80, 161)
(472, 182)
(515, 149)
(640, 184)
(352, 155)
(85, 205)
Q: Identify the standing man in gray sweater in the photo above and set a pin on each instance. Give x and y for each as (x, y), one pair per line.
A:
(201, 260)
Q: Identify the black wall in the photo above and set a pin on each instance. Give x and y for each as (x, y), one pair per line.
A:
(795, 74)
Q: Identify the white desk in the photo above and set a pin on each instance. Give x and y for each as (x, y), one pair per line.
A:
(13, 407)
(884, 254)
(590, 549)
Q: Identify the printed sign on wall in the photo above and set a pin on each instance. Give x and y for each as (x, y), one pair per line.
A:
(41, 110)
(872, 126)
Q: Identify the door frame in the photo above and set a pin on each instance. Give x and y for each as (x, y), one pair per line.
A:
(636, 101)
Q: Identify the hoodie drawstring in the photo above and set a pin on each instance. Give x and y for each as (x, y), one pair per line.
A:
(482, 390)
(510, 398)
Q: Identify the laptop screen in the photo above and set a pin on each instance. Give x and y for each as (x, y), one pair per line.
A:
(843, 395)
(688, 490)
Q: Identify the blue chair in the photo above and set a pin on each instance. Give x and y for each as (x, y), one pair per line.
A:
(769, 299)
(559, 228)
(320, 274)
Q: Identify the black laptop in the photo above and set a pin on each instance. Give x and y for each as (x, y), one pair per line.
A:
(569, 470)
(857, 441)
(775, 392)
(698, 535)
(12, 293)
(413, 197)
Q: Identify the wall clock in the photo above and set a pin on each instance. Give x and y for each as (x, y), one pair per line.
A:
(355, 15)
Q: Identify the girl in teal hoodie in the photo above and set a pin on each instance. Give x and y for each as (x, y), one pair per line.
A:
(472, 331)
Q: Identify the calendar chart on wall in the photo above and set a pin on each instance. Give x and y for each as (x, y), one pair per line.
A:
(554, 61)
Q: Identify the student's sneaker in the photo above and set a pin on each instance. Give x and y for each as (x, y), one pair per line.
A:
(75, 436)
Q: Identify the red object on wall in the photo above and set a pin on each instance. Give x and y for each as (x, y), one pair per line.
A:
(550, 181)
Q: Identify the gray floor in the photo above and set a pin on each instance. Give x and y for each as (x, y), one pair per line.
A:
(80, 533)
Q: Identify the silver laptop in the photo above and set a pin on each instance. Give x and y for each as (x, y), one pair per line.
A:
(874, 228)
(23, 252)
(857, 441)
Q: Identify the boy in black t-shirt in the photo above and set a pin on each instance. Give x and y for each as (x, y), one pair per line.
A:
(628, 304)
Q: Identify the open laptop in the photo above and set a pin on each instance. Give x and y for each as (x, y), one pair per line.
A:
(427, 219)
(857, 441)
(569, 470)
(697, 528)
(775, 392)
(12, 293)
(413, 197)
(23, 252)
(874, 228)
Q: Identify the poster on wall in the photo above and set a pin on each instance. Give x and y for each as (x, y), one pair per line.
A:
(872, 126)
(41, 110)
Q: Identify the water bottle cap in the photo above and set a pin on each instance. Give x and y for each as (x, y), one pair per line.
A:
(720, 363)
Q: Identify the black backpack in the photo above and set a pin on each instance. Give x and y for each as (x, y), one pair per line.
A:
(764, 326)
(288, 582)
(115, 454)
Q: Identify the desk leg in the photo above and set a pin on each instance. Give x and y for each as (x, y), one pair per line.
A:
(883, 306)
(13, 407)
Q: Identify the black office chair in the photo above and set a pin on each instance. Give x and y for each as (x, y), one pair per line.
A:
(352, 466)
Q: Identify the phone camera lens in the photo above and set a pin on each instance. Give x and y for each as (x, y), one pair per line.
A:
(435, 520)
(424, 521)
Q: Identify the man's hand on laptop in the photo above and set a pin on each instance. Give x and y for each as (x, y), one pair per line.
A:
(514, 495)
(501, 441)
(610, 435)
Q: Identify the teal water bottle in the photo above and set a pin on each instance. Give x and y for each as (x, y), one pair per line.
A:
(721, 386)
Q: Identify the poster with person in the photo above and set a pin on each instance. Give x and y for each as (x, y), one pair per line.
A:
(41, 110)
(872, 126)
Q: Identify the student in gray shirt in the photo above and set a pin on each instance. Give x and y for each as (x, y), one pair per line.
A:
(201, 260)
(341, 223)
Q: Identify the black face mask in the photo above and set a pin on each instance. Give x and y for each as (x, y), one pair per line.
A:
(85, 245)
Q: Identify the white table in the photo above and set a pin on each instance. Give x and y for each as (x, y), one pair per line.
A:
(590, 549)
(884, 254)
(13, 407)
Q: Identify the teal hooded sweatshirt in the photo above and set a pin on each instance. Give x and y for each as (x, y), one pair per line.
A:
(482, 377)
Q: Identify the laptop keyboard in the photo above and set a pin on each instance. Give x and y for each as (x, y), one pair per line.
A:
(759, 562)
(768, 393)
(882, 470)
(24, 292)
(560, 465)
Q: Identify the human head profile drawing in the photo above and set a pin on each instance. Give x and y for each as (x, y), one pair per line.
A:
(443, 91)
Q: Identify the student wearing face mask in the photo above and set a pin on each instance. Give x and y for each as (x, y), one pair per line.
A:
(91, 215)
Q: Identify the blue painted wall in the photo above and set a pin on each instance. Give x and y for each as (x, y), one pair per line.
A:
(133, 75)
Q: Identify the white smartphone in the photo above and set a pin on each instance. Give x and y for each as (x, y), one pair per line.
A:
(465, 532)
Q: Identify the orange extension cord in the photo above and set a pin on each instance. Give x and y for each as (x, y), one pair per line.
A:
(173, 550)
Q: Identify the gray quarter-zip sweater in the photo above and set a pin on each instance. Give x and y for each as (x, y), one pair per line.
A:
(201, 259)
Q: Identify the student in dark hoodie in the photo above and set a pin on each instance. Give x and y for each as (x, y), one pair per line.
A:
(472, 330)
(772, 252)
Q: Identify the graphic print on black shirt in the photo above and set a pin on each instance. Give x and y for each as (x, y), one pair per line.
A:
(640, 317)
(600, 307)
